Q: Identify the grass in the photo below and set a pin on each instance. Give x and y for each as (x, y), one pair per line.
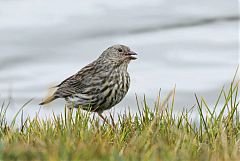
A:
(152, 134)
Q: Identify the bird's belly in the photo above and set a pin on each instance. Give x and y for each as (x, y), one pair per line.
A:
(116, 92)
(116, 95)
(83, 101)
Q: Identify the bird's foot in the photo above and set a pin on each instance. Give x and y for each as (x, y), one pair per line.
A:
(105, 120)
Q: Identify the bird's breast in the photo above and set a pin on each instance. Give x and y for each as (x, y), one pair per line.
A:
(117, 87)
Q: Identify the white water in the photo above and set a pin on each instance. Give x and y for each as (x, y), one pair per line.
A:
(188, 43)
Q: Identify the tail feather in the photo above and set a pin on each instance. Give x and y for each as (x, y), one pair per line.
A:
(48, 100)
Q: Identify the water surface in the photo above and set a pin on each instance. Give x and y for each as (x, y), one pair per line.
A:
(188, 43)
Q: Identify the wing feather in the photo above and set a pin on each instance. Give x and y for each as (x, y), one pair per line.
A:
(77, 82)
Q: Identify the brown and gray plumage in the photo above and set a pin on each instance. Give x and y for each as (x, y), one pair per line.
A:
(101, 84)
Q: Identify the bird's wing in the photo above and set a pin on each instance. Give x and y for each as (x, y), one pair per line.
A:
(77, 83)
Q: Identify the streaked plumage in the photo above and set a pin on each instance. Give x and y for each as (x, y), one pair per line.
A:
(101, 84)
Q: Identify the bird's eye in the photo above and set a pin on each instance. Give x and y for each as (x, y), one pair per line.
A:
(120, 50)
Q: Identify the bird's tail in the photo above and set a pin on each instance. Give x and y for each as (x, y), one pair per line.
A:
(50, 97)
(48, 100)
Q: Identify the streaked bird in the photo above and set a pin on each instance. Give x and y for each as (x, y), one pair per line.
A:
(100, 85)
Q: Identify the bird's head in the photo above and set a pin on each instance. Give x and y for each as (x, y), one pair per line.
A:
(118, 54)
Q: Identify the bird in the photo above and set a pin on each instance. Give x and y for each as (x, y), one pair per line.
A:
(99, 85)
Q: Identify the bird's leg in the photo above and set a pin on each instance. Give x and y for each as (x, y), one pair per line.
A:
(69, 115)
(104, 119)
(113, 123)
(69, 110)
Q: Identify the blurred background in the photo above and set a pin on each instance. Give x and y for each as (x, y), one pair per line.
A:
(192, 44)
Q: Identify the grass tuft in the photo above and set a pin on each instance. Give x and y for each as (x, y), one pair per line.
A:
(151, 134)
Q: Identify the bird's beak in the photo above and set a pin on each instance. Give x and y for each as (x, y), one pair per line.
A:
(130, 55)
